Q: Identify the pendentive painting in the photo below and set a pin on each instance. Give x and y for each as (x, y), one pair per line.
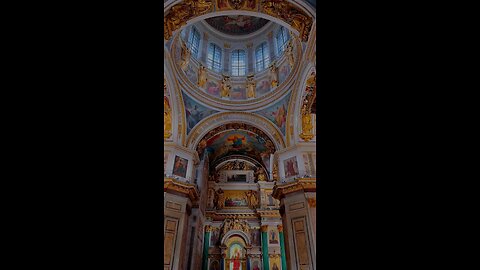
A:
(195, 112)
(290, 166)
(277, 113)
(180, 166)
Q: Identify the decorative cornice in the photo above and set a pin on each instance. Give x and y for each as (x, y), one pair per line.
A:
(268, 213)
(300, 184)
(189, 190)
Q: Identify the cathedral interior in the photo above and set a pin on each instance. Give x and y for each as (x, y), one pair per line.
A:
(239, 134)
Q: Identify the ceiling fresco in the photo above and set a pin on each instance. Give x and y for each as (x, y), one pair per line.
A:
(237, 24)
(277, 113)
(239, 142)
(195, 112)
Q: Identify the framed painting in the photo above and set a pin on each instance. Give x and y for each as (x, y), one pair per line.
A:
(180, 166)
(291, 167)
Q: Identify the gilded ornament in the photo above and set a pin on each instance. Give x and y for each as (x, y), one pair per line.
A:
(250, 87)
(167, 119)
(202, 76)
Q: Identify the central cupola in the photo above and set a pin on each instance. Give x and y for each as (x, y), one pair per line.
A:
(236, 61)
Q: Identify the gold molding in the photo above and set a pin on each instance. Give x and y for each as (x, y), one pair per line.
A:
(304, 184)
(189, 190)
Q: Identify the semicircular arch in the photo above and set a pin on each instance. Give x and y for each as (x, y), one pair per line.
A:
(223, 118)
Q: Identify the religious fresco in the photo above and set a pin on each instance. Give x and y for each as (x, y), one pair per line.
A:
(195, 112)
(277, 113)
(255, 237)
(235, 4)
(263, 87)
(273, 236)
(283, 72)
(237, 24)
(180, 166)
(235, 256)
(235, 198)
(291, 167)
(214, 236)
(256, 264)
(306, 163)
(238, 142)
(213, 88)
(191, 74)
(238, 93)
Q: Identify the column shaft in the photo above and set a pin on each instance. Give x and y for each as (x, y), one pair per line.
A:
(265, 250)
(282, 251)
(205, 250)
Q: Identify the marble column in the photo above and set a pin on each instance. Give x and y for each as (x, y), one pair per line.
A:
(208, 229)
(266, 263)
(282, 247)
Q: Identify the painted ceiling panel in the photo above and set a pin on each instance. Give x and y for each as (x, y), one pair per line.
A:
(195, 112)
(277, 113)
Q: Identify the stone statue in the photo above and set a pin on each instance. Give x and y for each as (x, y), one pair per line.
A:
(251, 199)
(202, 76)
(225, 87)
(185, 57)
(220, 199)
(250, 87)
(274, 75)
(289, 54)
(254, 200)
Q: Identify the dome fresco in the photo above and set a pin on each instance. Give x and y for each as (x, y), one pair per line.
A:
(237, 25)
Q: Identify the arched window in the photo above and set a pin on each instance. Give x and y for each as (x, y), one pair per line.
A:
(239, 63)
(262, 57)
(282, 39)
(194, 42)
(214, 58)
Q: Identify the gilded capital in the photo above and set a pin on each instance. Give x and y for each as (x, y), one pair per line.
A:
(280, 228)
(264, 228)
(208, 228)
